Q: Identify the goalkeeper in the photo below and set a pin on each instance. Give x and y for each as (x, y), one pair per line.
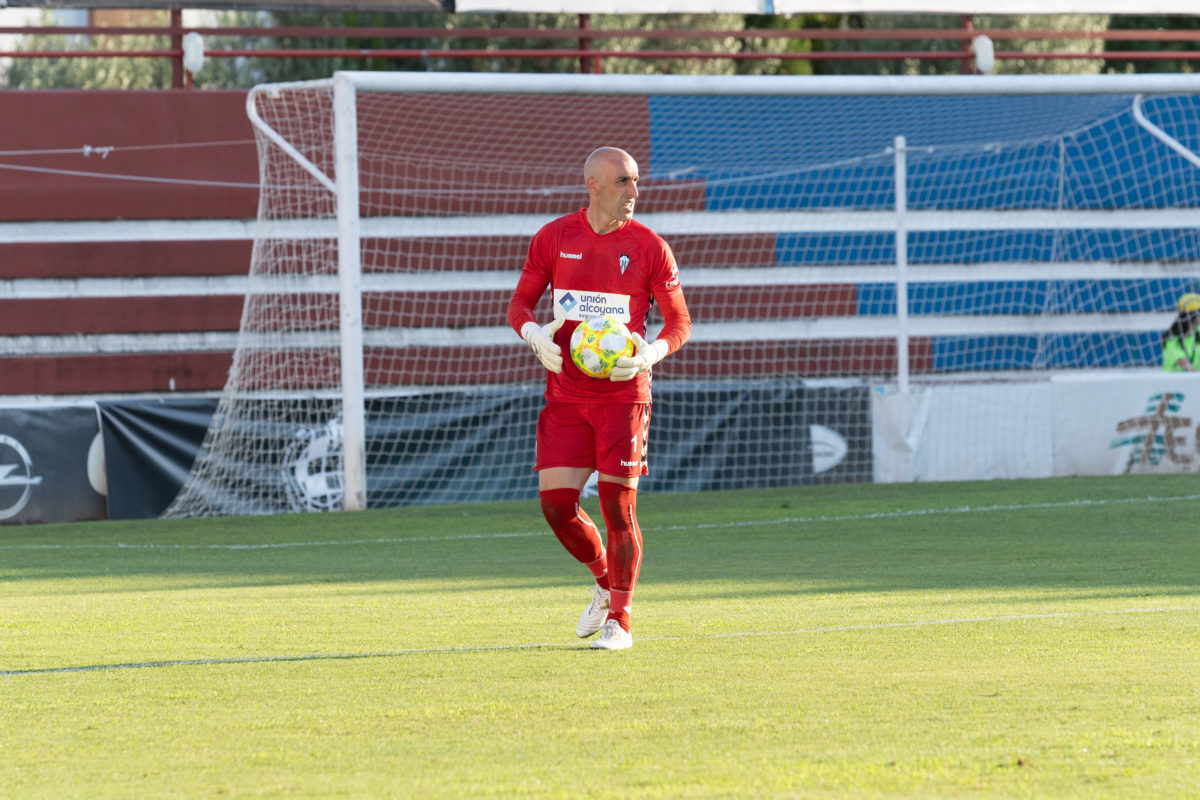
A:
(1181, 342)
(599, 260)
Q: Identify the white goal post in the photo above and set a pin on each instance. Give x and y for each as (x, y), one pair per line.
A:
(833, 233)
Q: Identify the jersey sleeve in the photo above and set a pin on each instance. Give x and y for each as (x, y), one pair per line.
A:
(535, 277)
(668, 294)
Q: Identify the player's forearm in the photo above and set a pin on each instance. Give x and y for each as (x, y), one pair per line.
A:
(677, 322)
(519, 314)
(524, 300)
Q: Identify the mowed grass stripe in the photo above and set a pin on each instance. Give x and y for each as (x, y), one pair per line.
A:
(1079, 503)
(201, 662)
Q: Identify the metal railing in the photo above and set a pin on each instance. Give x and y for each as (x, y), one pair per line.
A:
(584, 44)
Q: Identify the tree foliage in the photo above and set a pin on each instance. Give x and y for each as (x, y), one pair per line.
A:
(1152, 23)
(1087, 48)
(734, 34)
(259, 70)
(247, 71)
(97, 72)
(851, 56)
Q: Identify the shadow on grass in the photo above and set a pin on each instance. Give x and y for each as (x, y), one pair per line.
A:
(205, 662)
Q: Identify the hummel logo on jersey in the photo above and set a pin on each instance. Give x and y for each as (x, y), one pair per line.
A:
(576, 256)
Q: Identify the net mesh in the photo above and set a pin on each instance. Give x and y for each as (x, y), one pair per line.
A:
(1041, 233)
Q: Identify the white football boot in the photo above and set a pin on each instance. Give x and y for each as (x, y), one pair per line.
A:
(614, 637)
(594, 615)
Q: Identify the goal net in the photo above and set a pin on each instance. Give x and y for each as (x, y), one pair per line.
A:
(834, 236)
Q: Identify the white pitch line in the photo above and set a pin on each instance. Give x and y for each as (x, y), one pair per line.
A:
(918, 512)
(205, 662)
(273, 545)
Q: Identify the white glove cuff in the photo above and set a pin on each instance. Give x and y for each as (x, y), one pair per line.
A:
(528, 328)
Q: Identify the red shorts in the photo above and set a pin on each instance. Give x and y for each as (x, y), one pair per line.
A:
(610, 438)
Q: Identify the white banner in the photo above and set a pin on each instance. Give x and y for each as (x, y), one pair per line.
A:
(1094, 423)
(1142, 423)
(956, 432)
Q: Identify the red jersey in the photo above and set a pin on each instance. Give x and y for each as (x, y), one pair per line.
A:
(589, 274)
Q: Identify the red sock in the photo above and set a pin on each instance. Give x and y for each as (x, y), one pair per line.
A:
(575, 529)
(618, 504)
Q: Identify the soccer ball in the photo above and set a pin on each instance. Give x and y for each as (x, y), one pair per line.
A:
(597, 344)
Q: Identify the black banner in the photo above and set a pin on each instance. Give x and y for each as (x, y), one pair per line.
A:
(149, 447)
(51, 465)
(752, 435)
(449, 446)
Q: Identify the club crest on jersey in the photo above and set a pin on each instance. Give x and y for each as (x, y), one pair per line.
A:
(624, 262)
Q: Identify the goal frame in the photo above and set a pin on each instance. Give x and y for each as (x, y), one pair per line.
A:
(345, 183)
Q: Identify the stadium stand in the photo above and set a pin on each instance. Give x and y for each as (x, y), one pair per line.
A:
(128, 242)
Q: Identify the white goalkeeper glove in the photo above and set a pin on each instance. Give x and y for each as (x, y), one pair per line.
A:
(647, 355)
(541, 341)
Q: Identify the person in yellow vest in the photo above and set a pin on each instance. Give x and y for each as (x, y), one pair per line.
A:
(1181, 342)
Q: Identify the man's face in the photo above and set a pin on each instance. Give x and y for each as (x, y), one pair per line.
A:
(615, 188)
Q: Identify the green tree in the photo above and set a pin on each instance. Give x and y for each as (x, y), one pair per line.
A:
(733, 44)
(246, 70)
(256, 70)
(98, 72)
(1152, 23)
(1087, 48)
(798, 22)
(850, 56)
(861, 56)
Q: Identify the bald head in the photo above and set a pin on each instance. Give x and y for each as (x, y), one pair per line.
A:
(611, 176)
(606, 158)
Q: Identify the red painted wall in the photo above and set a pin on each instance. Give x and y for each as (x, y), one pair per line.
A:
(129, 259)
(99, 155)
(57, 180)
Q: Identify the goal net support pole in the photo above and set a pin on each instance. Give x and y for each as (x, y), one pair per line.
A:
(901, 265)
(354, 431)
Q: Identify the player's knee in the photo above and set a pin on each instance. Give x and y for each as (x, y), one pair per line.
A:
(559, 506)
(618, 503)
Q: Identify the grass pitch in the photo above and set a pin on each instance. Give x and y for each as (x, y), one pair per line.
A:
(1004, 639)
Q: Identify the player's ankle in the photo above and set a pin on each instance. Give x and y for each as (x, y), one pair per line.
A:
(622, 620)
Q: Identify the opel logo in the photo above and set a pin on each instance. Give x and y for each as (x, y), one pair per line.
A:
(16, 477)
